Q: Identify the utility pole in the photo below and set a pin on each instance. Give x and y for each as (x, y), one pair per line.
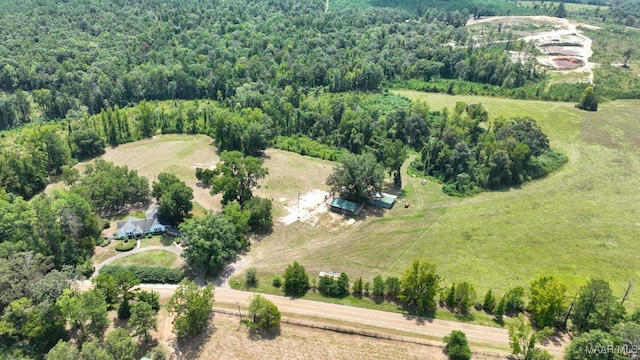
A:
(239, 315)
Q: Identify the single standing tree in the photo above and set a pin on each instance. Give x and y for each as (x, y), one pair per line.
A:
(357, 178)
(263, 314)
(393, 287)
(296, 280)
(456, 346)
(357, 287)
(498, 312)
(119, 343)
(393, 156)
(547, 302)
(192, 308)
(378, 287)
(523, 339)
(596, 307)
(211, 241)
(465, 296)
(174, 198)
(236, 175)
(420, 285)
(589, 100)
(143, 319)
(489, 302)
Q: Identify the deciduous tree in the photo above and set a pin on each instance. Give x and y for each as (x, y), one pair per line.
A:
(547, 302)
(263, 314)
(357, 178)
(596, 307)
(192, 308)
(236, 175)
(142, 320)
(296, 280)
(420, 286)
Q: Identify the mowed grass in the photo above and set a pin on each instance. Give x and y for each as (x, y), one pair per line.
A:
(159, 258)
(178, 154)
(580, 222)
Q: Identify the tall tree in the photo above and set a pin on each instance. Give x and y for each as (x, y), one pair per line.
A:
(588, 100)
(465, 296)
(85, 312)
(296, 280)
(142, 320)
(393, 156)
(211, 241)
(596, 307)
(547, 301)
(592, 345)
(420, 286)
(263, 314)
(192, 308)
(236, 176)
(120, 345)
(523, 339)
(357, 178)
(174, 198)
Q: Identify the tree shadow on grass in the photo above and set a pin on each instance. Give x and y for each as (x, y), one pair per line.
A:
(419, 318)
(190, 347)
(259, 335)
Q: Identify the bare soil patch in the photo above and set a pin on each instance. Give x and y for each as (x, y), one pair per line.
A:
(563, 47)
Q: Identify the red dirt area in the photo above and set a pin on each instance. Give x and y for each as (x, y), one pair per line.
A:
(567, 63)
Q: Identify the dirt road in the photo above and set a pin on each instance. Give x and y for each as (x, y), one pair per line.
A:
(479, 335)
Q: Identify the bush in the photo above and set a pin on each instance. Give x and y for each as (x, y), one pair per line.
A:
(456, 346)
(251, 279)
(105, 242)
(148, 274)
(277, 282)
(126, 245)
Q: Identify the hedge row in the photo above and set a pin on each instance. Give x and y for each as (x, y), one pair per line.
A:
(148, 274)
(126, 245)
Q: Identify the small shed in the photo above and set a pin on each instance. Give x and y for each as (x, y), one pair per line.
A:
(385, 201)
(345, 206)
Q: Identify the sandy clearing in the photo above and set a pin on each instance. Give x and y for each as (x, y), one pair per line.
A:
(306, 206)
(565, 29)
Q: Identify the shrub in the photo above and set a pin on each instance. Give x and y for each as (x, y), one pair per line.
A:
(251, 278)
(126, 245)
(277, 282)
(105, 242)
(148, 274)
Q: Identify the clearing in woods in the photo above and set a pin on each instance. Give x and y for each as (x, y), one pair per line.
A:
(178, 154)
(585, 214)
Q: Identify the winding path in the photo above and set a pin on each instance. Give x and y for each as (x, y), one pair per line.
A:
(174, 249)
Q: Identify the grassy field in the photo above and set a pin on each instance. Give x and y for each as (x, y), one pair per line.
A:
(160, 258)
(179, 154)
(581, 222)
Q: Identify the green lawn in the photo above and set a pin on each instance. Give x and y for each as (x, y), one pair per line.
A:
(580, 222)
(160, 258)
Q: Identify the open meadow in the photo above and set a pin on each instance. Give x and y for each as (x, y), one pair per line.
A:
(581, 222)
(178, 154)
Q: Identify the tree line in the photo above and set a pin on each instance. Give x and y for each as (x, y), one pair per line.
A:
(593, 314)
(194, 50)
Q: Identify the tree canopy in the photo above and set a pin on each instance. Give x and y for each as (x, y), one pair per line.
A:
(192, 308)
(211, 240)
(357, 178)
(174, 198)
(236, 175)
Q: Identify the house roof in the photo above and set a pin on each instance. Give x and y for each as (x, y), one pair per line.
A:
(386, 198)
(344, 204)
(136, 226)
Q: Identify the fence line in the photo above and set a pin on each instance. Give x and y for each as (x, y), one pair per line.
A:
(364, 333)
